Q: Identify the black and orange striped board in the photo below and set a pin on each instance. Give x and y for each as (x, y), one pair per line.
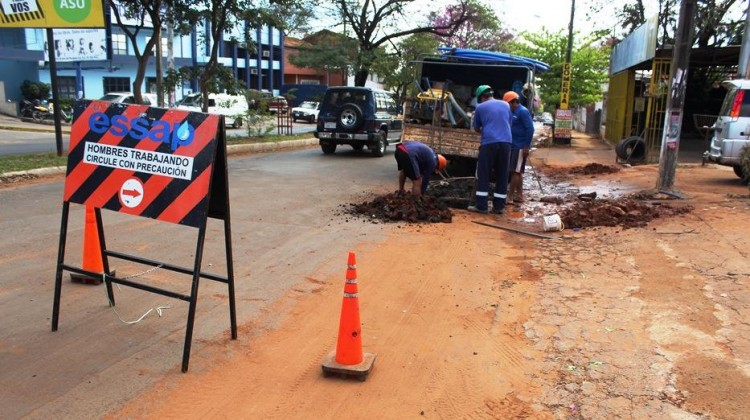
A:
(151, 162)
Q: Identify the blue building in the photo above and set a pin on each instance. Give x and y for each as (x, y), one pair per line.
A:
(91, 63)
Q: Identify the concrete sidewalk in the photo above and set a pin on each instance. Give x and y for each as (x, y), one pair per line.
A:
(26, 124)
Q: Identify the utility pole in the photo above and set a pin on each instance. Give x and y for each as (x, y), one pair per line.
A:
(678, 75)
(170, 52)
(563, 130)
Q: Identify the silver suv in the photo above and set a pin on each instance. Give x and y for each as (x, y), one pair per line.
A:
(732, 127)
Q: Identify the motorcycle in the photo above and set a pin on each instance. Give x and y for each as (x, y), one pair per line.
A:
(28, 108)
(41, 113)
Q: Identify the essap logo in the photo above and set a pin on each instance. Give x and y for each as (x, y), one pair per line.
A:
(139, 128)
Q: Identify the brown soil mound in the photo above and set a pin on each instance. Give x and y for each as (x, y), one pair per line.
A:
(594, 169)
(396, 207)
(589, 169)
(626, 212)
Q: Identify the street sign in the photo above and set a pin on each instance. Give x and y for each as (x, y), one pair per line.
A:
(164, 164)
(51, 14)
(563, 126)
(565, 89)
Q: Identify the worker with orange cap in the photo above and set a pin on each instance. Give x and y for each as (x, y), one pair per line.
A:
(522, 130)
(417, 161)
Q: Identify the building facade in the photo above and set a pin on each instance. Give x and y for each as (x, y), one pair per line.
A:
(92, 62)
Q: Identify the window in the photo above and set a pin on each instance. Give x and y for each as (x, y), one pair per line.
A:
(116, 84)
(119, 44)
(66, 86)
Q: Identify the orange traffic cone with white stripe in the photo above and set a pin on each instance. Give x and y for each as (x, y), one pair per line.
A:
(92, 252)
(348, 359)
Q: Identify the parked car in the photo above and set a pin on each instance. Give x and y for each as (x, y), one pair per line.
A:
(129, 98)
(278, 103)
(359, 117)
(232, 107)
(731, 132)
(307, 111)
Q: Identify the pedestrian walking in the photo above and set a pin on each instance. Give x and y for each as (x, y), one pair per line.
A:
(417, 161)
(522, 130)
(492, 120)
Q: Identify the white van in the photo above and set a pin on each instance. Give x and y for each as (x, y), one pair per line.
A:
(232, 107)
(731, 132)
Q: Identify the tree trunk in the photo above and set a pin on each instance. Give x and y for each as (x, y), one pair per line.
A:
(140, 75)
(159, 73)
(360, 77)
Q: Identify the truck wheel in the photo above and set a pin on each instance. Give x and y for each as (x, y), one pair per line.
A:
(328, 149)
(350, 117)
(744, 177)
(379, 144)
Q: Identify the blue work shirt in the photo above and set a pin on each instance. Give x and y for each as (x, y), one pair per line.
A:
(522, 128)
(494, 118)
(422, 157)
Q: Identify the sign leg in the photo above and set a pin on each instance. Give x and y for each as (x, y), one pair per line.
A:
(60, 260)
(193, 297)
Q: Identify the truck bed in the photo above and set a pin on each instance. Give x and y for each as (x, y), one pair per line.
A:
(444, 140)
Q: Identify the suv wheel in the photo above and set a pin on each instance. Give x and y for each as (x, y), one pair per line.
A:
(350, 117)
(378, 144)
(328, 149)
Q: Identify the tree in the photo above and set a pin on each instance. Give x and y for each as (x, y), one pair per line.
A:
(714, 25)
(397, 68)
(225, 15)
(590, 64)
(481, 31)
(328, 52)
(374, 26)
(148, 14)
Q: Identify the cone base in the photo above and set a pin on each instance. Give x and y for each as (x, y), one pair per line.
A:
(84, 279)
(331, 366)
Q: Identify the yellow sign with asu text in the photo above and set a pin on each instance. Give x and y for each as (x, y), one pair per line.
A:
(51, 14)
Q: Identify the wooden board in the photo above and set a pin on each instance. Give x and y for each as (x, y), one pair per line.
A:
(444, 140)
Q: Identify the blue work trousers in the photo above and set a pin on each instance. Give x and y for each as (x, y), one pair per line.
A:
(493, 157)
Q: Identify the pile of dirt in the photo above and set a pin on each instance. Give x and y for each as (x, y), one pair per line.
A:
(557, 173)
(395, 207)
(594, 169)
(626, 212)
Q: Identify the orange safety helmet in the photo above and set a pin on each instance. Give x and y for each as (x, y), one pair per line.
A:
(442, 162)
(510, 96)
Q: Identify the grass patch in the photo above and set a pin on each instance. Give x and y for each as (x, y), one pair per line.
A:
(44, 160)
(30, 161)
(272, 138)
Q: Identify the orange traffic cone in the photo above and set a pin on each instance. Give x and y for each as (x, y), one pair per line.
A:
(92, 253)
(348, 359)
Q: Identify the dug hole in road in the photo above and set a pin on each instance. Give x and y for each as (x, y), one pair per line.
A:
(467, 321)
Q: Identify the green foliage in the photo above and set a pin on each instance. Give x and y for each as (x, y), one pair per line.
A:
(258, 117)
(329, 55)
(397, 70)
(745, 163)
(35, 90)
(590, 65)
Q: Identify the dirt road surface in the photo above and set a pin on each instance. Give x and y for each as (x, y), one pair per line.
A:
(466, 321)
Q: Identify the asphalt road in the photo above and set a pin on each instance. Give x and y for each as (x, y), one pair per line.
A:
(14, 142)
(286, 221)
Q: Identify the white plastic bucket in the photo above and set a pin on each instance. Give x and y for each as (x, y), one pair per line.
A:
(552, 223)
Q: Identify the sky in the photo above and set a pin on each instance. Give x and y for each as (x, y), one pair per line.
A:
(531, 15)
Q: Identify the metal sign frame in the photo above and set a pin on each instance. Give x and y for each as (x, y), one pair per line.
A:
(134, 137)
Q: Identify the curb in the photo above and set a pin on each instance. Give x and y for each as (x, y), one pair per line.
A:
(231, 150)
